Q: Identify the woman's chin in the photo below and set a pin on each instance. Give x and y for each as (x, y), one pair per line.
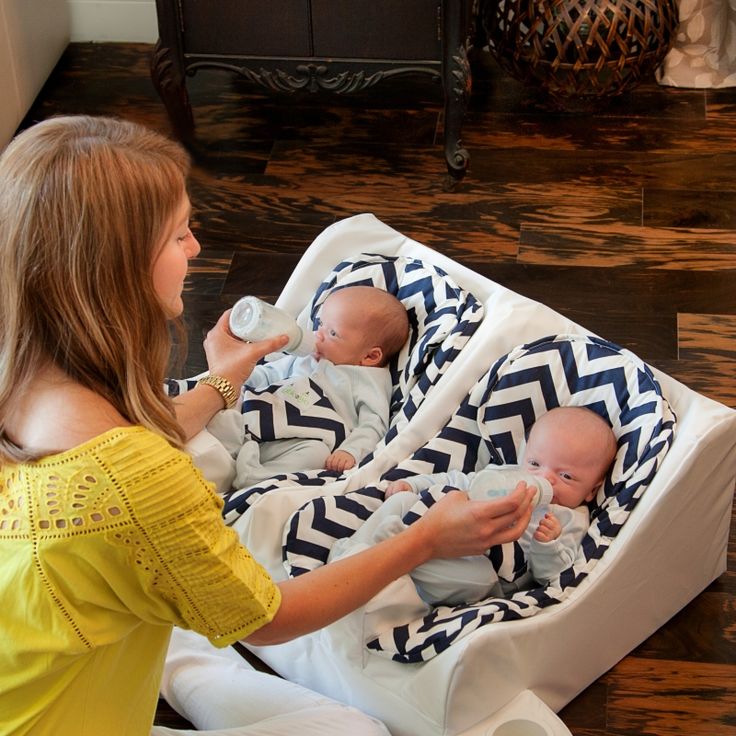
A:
(174, 308)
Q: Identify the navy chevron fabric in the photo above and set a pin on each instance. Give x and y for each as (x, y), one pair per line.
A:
(442, 318)
(269, 416)
(564, 370)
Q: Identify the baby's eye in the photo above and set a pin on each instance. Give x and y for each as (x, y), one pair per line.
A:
(532, 463)
(566, 476)
(332, 333)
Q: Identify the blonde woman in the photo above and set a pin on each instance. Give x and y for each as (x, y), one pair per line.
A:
(109, 537)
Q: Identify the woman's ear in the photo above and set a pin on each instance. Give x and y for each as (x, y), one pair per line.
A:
(373, 357)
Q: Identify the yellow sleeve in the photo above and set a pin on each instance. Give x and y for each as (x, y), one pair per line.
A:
(192, 568)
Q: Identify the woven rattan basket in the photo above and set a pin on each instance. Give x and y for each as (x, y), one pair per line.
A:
(580, 52)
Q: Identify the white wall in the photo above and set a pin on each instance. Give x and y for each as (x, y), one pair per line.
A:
(113, 20)
(33, 35)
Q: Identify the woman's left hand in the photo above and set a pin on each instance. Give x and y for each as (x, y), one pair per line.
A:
(232, 358)
(228, 357)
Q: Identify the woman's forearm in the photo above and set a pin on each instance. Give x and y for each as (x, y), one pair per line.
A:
(453, 527)
(324, 595)
(194, 408)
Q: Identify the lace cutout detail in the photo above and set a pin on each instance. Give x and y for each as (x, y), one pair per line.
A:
(141, 554)
(13, 514)
(83, 502)
(61, 506)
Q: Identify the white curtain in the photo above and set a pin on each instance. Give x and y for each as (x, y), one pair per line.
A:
(704, 53)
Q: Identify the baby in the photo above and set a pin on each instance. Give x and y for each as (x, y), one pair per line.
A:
(327, 410)
(572, 448)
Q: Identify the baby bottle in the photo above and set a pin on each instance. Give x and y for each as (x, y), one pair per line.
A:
(252, 319)
(493, 483)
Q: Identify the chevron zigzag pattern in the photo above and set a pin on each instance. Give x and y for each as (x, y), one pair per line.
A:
(442, 317)
(311, 532)
(271, 415)
(563, 370)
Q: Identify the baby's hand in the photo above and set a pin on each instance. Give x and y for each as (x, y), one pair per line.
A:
(339, 461)
(397, 486)
(549, 528)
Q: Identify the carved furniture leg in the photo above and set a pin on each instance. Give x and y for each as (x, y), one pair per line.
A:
(456, 83)
(168, 79)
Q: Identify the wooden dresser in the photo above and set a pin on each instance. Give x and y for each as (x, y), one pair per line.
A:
(313, 45)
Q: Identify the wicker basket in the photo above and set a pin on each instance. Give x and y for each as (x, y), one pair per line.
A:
(580, 51)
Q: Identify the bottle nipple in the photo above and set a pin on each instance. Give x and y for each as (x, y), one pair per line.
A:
(543, 496)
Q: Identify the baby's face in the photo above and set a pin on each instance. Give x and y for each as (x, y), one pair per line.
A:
(340, 336)
(567, 460)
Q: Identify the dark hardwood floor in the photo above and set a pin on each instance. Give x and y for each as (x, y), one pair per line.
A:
(624, 221)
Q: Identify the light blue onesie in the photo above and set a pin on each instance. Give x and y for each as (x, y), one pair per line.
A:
(470, 579)
(294, 412)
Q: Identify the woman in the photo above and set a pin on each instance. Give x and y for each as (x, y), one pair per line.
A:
(109, 535)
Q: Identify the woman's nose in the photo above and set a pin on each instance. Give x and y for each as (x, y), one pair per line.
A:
(194, 247)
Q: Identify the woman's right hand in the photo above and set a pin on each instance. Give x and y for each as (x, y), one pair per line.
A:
(457, 526)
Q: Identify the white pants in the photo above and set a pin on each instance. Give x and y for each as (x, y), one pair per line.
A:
(222, 695)
(251, 462)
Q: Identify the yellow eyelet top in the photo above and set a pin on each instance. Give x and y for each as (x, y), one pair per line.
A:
(102, 549)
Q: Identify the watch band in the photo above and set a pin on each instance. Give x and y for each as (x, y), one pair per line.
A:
(223, 387)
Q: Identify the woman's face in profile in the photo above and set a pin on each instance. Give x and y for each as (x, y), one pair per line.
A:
(172, 260)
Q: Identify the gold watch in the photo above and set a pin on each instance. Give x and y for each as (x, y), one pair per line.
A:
(223, 387)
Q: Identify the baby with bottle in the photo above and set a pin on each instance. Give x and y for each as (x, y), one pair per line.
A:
(568, 453)
(323, 405)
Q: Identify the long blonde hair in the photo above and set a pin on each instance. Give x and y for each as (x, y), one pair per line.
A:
(84, 203)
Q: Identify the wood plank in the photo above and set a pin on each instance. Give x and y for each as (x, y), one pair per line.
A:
(671, 698)
(682, 169)
(683, 638)
(260, 274)
(239, 114)
(207, 272)
(644, 322)
(620, 245)
(685, 208)
(585, 715)
(707, 355)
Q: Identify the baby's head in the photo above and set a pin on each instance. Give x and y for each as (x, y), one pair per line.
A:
(573, 448)
(361, 325)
